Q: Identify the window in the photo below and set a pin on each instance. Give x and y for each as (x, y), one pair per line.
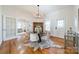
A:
(47, 25)
(10, 27)
(21, 26)
(75, 24)
(60, 23)
(18, 25)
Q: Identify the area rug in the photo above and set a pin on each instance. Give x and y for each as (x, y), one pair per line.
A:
(45, 43)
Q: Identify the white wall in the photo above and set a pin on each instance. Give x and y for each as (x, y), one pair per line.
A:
(18, 14)
(76, 13)
(11, 11)
(67, 14)
(0, 25)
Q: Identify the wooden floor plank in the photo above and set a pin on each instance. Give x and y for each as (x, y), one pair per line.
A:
(10, 47)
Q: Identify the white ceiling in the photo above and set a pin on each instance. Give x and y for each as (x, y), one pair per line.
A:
(44, 10)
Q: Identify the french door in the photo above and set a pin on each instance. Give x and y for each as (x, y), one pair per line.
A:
(59, 28)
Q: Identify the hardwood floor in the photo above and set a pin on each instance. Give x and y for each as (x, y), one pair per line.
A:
(67, 50)
(10, 47)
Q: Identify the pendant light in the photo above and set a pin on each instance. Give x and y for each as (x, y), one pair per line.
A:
(38, 10)
(38, 15)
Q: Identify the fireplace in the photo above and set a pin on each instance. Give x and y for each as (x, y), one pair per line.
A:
(38, 27)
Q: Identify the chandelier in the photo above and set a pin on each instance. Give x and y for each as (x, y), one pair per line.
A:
(38, 15)
(38, 11)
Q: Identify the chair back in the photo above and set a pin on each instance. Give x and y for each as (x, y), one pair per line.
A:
(34, 37)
